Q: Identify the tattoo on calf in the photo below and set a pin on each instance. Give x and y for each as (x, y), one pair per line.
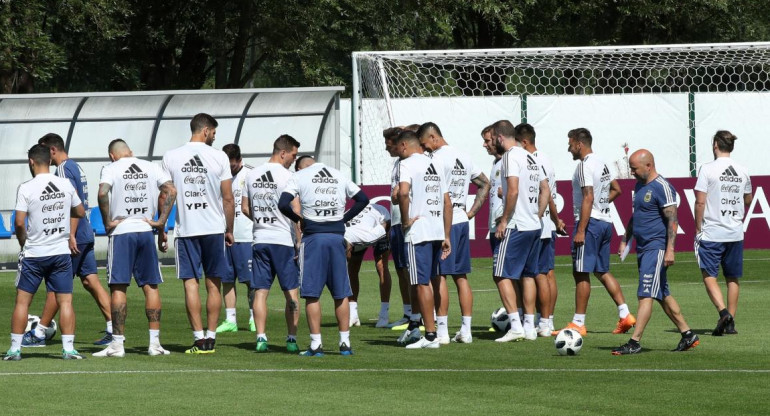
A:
(293, 306)
(153, 315)
(119, 312)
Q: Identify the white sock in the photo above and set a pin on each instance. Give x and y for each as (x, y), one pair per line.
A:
(407, 310)
(543, 322)
(230, 315)
(16, 342)
(529, 322)
(198, 335)
(211, 334)
(262, 336)
(384, 309)
(550, 318)
(623, 311)
(109, 326)
(345, 338)
(353, 310)
(465, 329)
(40, 331)
(155, 337)
(315, 341)
(68, 342)
(579, 319)
(442, 329)
(251, 314)
(515, 322)
(119, 339)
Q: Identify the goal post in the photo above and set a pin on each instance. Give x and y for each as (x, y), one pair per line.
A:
(387, 85)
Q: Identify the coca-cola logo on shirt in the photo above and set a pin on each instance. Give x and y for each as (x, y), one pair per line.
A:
(56, 206)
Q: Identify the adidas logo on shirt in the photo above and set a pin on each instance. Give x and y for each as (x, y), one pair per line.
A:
(51, 192)
(459, 169)
(324, 176)
(730, 175)
(265, 181)
(133, 172)
(431, 174)
(605, 174)
(532, 164)
(194, 165)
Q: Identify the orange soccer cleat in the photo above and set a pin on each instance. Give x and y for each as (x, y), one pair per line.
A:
(624, 324)
(581, 329)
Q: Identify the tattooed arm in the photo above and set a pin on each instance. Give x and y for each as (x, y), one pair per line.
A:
(672, 224)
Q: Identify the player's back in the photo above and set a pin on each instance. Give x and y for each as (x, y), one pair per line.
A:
(725, 183)
(495, 202)
(520, 163)
(47, 200)
(134, 192)
(459, 169)
(367, 226)
(69, 169)
(197, 171)
(323, 192)
(426, 203)
(263, 187)
(593, 172)
(242, 226)
(549, 173)
(395, 213)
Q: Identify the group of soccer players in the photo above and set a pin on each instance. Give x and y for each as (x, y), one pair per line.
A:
(238, 223)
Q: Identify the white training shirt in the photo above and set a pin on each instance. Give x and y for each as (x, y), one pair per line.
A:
(242, 225)
(197, 170)
(460, 169)
(134, 192)
(323, 192)
(592, 171)
(426, 197)
(47, 200)
(395, 212)
(495, 202)
(263, 187)
(550, 175)
(366, 227)
(520, 163)
(725, 183)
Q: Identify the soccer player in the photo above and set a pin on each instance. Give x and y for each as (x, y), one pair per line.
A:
(369, 228)
(545, 279)
(81, 244)
(426, 218)
(461, 172)
(128, 191)
(239, 261)
(48, 202)
(593, 190)
(274, 238)
(653, 225)
(495, 185)
(206, 209)
(322, 192)
(526, 195)
(722, 194)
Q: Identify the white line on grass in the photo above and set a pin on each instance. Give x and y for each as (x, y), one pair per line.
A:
(395, 370)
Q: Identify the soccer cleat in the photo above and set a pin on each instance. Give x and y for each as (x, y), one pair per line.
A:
(624, 324)
(291, 345)
(12, 355)
(409, 337)
(722, 324)
(627, 348)
(252, 325)
(106, 339)
(30, 340)
(530, 334)
(443, 340)
(543, 331)
(581, 329)
(687, 343)
(318, 352)
(461, 338)
(261, 345)
(157, 349)
(112, 350)
(345, 349)
(210, 345)
(382, 322)
(199, 347)
(354, 321)
(730, 330)
(72, 355)
(423, 343)
(511, 336)
(227, 326)
(400, 325)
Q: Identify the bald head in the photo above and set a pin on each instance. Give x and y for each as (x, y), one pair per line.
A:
(118, 149)
(642, 165)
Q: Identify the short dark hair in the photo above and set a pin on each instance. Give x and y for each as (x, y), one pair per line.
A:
(582, 135)
(391, 134)
(284, 142)
(408, 136)
(725, 140)
(412, 127)
(487, 129)
(300, 159)
(232, 150)
(40, 154)
(525, 131)
(52, 140)
(425, 127)
(113, 143)
(503, 128)
(201, 120)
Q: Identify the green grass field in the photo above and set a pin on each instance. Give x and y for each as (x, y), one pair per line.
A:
(724, 375)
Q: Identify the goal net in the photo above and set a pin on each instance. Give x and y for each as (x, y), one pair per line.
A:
(385, 81)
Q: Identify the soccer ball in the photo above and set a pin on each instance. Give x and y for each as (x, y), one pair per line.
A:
(568, 342)
(33, 320)
(499, 320)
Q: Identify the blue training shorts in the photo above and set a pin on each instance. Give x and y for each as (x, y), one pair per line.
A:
(594, 255)
(55, 270)
(84, 264)
(398, 247)
(201, 254)
(239, 263)
(712, 254)
(322, 262)
(517, 255)
(652, 275)
(271, 260)
(424, 259)
(459, 260)
(546, 261)
(133, 254)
